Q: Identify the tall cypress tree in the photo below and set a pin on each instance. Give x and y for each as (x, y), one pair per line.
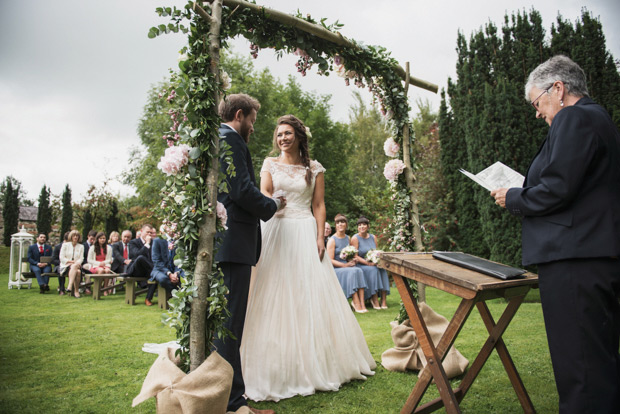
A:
(489, 120)
(585, 44)
(112, 221)
(67, 212)
(44, 215)
(87, 224)
(10, 210)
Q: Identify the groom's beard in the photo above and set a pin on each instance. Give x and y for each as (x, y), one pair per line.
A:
(245, 133)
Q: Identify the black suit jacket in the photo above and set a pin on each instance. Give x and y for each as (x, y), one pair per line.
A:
(56, 256)
(118, 261)
(570, 200)
(138, 248)
(245, 205)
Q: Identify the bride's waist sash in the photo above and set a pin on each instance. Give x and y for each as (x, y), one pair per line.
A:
(295, 210)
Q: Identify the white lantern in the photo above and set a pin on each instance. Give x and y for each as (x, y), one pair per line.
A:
(19, 249)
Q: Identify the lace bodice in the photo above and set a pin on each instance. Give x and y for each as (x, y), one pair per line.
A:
(292, 180)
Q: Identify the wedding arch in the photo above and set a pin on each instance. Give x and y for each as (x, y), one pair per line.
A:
(197, 309)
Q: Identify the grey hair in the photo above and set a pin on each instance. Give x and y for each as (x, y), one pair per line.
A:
(558, 68)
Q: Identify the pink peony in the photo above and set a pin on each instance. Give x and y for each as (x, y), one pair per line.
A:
(391, 147)
(393, 169)
(174, 159)
(222, 214)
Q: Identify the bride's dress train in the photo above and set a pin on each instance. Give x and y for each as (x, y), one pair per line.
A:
(300, 334)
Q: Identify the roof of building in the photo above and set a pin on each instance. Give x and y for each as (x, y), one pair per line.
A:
(28, 213)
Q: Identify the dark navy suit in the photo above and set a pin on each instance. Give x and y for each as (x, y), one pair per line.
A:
(34, 258)
(163, 262)
(570, 204)
(239, 249)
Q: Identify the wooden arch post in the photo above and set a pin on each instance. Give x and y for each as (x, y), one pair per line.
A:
(204, 261)
(410, 179)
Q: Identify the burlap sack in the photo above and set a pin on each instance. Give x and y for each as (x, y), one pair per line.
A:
(407, 353)
(204, 390)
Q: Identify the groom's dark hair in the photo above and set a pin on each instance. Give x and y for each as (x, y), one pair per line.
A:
(232, 103)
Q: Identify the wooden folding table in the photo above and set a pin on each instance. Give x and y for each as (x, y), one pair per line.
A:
(475, 289)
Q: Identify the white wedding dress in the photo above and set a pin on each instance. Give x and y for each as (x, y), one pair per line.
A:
(300, 334)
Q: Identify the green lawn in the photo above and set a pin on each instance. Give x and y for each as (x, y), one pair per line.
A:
(61, 354)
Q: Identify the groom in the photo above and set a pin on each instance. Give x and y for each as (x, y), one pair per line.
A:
(240, 247)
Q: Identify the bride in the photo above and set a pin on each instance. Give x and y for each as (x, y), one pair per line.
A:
(300, 335)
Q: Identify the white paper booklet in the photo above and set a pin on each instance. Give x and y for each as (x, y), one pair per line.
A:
(496, 176)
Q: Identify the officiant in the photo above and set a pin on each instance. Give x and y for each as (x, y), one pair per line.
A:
(570, 209)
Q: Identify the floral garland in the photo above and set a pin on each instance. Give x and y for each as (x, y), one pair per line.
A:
(194, 128)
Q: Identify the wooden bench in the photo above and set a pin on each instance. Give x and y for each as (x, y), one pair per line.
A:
(130, 288)
(31, 275)
(97, 283)
(131, 291)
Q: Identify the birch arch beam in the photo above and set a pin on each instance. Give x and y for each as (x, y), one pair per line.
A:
(197, 309)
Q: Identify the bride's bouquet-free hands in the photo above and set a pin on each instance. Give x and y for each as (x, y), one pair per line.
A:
(373, 255)
(348, 253)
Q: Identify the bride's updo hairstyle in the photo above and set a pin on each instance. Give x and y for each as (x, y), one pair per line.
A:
(300, 134)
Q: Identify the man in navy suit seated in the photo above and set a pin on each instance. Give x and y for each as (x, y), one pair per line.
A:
(35, 252)
(165, 272)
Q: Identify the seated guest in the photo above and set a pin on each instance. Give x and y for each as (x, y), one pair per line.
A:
(71, 257)
(364, 242)
(328, 232)
(164, 272)
(113, 238)
(120, 253)
(90, 241)
(351, 278)
(140, 254)
(56, 263)
(100, 258)
(35, 253)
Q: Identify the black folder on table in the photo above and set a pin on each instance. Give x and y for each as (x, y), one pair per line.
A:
(479, 265)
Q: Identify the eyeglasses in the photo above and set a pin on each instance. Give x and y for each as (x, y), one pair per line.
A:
(535, 101)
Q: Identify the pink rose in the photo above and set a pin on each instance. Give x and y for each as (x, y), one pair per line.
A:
(393, 169)
(222, 214)
(175, 158)
(391, 147)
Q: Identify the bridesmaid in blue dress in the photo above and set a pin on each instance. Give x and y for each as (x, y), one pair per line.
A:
(351, 278)
(363, 242)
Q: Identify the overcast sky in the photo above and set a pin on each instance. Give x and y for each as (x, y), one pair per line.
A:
(74, 74)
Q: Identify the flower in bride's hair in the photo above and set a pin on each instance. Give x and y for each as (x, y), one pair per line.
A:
(222, 214)
(226, 81)
(391, 147)
(393, 169)
(308, 133)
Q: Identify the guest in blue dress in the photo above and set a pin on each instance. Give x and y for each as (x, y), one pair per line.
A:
(363, 242)
(351, 278)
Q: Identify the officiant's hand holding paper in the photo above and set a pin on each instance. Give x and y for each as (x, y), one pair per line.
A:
(500, 196)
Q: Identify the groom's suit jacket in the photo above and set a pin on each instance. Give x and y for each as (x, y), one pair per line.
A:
(245, 205)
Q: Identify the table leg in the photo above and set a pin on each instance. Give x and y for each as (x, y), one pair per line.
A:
(506, 359)
(495, 334)
(433, 359)
(447, 340)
